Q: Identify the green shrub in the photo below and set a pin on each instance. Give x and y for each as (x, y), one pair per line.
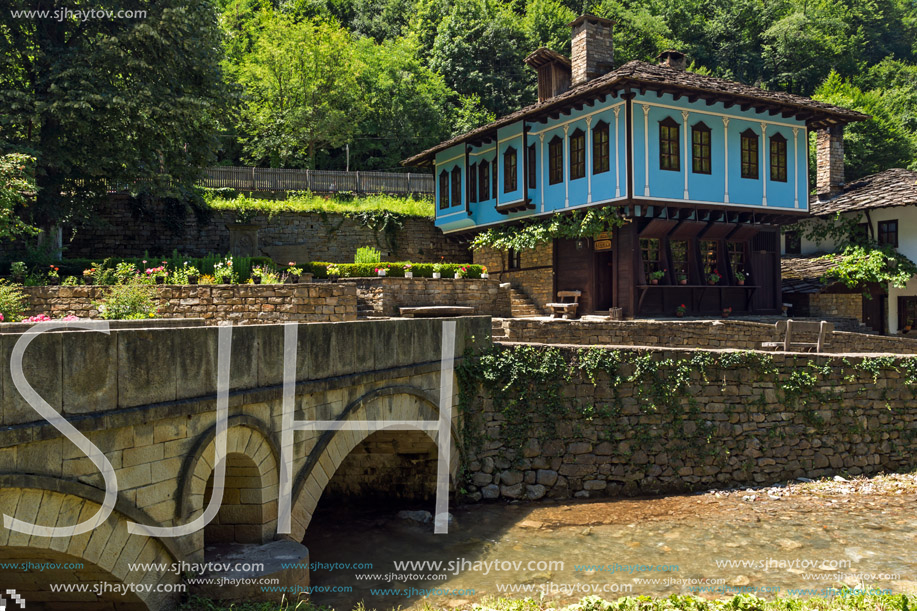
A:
(130, 301)
(395, 269)
(367, 254)
(12, 302)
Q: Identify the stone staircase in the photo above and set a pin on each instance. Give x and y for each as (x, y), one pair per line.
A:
(520, 304)
(497, 332)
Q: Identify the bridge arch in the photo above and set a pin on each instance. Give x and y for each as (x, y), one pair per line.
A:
(105, 554)
(251, 487)
(400, 402)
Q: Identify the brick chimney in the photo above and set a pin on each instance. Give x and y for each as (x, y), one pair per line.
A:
(592, 49)
(673, 59)
(829, 161)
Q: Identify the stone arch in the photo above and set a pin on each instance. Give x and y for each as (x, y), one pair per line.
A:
(385, 404)
(247, 447)
(105, 552)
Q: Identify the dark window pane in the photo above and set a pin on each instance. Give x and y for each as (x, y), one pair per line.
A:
(669, 158)
(443, 190)
(600, 148)
(749, 154)
(556, 160)
(778, 158)
(700, 149)
(577, 155)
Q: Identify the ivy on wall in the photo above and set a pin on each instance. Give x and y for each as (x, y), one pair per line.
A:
(533, 388)
(529, 234)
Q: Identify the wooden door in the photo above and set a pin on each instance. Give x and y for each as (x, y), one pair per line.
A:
(604, 280)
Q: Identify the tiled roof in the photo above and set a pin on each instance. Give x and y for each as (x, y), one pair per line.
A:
(803, 274)
(637, 74)
(895, 187)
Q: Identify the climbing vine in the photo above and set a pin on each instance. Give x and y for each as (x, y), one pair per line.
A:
(533, 389)
(529, 234)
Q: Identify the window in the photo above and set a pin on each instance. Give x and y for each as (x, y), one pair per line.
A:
(749, 154)
(532, 168)
(792, 243)
(907, 313)
(888, 233)
(860, 233)
(679, 250)
(456, 186)
(514, 259)
(710, 251)
(473, 183)
(778, 158)
(484, 181)
(493, 178)
(601, 156)
(509, 170)
(443, 190)
(700, 149)
(556, 160)
(577, 154)
(651, 253)
(668, 145)
(737, 258)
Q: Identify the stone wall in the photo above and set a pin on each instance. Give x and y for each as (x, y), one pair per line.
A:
(736, 334)
(126, 229)
(239, 304)
(743, 425)
(535, 276)
(845, 305)
(383, 296)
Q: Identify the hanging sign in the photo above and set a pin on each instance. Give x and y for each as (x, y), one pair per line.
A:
(602, 241)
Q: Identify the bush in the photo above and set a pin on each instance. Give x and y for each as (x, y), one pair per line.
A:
(12, 302)
(395, 269)
(131, 301)
(367, 254)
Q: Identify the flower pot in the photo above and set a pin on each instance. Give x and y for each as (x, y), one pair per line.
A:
(256, 279)
(294, 279)
(383, 273)
(332, 278)
(485, 276)
(680, 314)
(225, 279)
(711, 282)
(654, 281)
(54, 280)
(437, 275)
(160, 279)
(408, 274)
(684, 281)
(726, 314)
(740, 282)
(457, 276)
(193, 279)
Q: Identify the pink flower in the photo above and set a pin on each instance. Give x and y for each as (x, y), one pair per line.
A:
(1, 317)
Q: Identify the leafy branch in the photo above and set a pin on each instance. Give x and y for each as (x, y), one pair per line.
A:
(862, 264)
(529, 234)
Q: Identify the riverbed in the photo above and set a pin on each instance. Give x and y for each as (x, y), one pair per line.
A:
(788, 541)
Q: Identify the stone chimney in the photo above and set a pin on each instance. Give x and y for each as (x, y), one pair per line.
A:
(829, 161)
(592, 48)
(673, 59)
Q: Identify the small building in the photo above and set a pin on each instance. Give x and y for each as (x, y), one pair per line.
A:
(705, 171)
(885, 207)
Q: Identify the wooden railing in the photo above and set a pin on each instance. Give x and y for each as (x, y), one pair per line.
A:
(317, 181)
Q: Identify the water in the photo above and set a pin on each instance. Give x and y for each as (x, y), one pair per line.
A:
(807, 542)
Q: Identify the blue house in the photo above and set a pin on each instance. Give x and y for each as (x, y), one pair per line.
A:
(706, 170)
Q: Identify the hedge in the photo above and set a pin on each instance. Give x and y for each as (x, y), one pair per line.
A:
(395, 269)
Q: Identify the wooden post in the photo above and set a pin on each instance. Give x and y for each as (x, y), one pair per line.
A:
(253, 178)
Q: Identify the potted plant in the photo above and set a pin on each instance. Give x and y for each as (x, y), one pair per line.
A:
(222, 271)
(682, 278)
(740, 278)
(53, 275)
(256, 275)
(381, 271)
(89, 275)
(461, 272)
(727, 312)
(408, 273)
(18, 271)
(438, 270)
(293, 272)
(681, 310)
(334, 272)
(656, 276)
(713, 277)
(192, 274)
(484, 274)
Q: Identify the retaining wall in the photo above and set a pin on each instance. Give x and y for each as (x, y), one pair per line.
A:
(383, 296)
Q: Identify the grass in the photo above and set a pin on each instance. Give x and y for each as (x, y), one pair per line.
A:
(309, 202)
(744, 602)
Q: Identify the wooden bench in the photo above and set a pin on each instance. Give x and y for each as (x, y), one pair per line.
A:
(791, 329)
(565, 309)
(436, 311)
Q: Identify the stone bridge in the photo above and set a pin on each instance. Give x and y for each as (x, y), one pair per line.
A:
(147, 399)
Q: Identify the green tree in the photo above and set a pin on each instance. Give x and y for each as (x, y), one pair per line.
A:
(109, 100)
(545, 25)
(17, 183)
(301, 91)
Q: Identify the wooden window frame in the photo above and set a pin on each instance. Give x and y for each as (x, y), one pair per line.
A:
(577, 154)
(740, 248)
(680, 266)
(778, 148)
(906, 302)
(513, 259)
(473, 183)
(601, 148)
(749, 152)
(444, 189)
(456, 186)
(885, 234)
(651, 265)
(494, 175)
(796, 238)
(531, 169)
(510, 167)
(708, 265)
(701, 149)
(556, 160)
(483, 180)
(669, 145)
